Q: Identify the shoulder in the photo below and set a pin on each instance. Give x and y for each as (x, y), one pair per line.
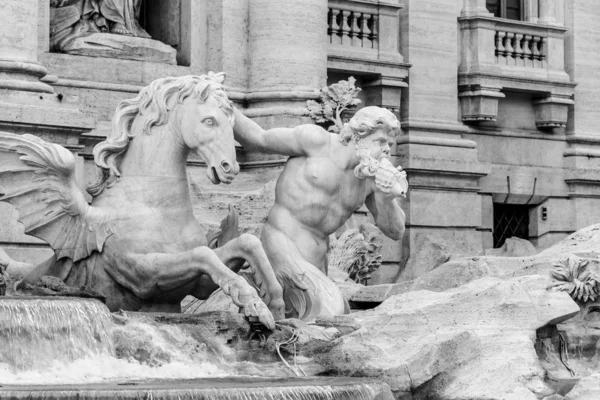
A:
(314, 138)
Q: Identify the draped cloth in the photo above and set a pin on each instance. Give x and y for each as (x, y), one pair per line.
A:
(105, 13)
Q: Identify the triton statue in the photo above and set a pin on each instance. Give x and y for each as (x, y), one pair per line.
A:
(327, 177)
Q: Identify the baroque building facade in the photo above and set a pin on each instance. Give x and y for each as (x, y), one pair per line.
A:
(496, 100)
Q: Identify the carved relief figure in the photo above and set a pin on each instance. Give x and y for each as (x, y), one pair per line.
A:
(138, 243)
(70, 19)
(327, 177)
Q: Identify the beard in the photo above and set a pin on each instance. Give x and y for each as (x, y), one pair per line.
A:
(367, 167)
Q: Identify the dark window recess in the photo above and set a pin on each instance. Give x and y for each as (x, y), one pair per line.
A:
(509, 9)
(510, 220)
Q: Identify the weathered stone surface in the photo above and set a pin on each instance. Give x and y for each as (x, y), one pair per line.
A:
(51, 286)
(587, 388)
(119, 46)
(474, 341)
(583, 243)
(513, 247)
(372, 294)
(428, 252)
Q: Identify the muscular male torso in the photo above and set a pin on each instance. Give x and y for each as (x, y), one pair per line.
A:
(315, 196)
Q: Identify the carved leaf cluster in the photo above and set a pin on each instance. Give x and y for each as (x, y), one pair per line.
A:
(575, 278)
(357, 252)
(334, 100)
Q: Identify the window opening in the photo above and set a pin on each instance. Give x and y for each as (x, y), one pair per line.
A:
(509, 9)
(510, 220)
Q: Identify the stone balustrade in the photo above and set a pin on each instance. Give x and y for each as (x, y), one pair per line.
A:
(348, 27)
(499, 55)
(520, 49)
(364, 41)
(364, 29)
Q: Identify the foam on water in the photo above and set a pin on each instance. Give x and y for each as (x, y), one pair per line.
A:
(58, 348)
(217, 389)
(37, 332)
(62, 341)
(106, 369)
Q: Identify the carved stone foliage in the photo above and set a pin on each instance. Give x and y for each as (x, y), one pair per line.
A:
(335, 99)
(574, 276)
(357, 252)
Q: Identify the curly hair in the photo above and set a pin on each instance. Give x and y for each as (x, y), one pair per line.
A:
(366, 121)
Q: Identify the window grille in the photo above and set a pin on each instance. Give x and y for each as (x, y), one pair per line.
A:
(510, 220)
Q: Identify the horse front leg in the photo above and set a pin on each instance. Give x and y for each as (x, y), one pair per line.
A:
(148, 275)
(249, 248)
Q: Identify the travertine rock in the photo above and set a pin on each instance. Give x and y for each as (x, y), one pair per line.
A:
(119, 46)
(428, 253)
(584, 243)
(474, 341)
(587, 388)
(513, 247)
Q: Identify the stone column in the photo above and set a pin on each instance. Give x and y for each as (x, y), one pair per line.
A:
(547, 12)
(287, 52)
(19, 68)
(474, 7)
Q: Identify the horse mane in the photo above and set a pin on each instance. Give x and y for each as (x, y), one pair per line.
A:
(153, 102)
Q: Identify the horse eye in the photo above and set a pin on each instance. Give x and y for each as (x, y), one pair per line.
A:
(209, 121)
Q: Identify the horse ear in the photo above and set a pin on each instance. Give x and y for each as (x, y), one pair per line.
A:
(205, 92)
(218, 77)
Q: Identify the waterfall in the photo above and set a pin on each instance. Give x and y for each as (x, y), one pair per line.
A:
(69, 348)
(218, 389)
(38, 332)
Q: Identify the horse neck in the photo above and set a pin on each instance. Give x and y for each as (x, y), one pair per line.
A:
(153, 169)
(158, 154)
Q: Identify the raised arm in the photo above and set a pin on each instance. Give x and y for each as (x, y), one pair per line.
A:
(303, 140)
(389, 217)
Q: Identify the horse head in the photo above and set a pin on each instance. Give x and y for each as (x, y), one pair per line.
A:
(206, 127)
(195, 109)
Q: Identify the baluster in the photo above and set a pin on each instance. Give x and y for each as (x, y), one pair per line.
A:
(500, 50)
(536, 51)
(510, 50)
(375, 31)
(345, 28)
(329, 23)
(542, 47)
(354, 29)
(335, 27)
(366, 31)
(527, 51)
(519, 49)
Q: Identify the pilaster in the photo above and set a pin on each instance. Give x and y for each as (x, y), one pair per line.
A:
(29, 104)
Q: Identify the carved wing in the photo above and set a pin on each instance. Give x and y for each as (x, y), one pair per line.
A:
(37, 178)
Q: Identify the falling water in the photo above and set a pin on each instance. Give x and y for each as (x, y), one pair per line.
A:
(36, 333)
(220, 389)
(65, 348)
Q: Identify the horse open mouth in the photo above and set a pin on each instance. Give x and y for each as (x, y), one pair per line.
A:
(214, 176)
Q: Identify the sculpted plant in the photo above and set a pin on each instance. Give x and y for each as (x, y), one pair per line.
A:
(575, 278)
(334, 100)
(357, 252)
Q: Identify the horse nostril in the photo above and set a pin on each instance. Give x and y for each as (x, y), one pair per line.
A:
(226, 166)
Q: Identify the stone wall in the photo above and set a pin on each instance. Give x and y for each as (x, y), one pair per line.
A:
(430, 56)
